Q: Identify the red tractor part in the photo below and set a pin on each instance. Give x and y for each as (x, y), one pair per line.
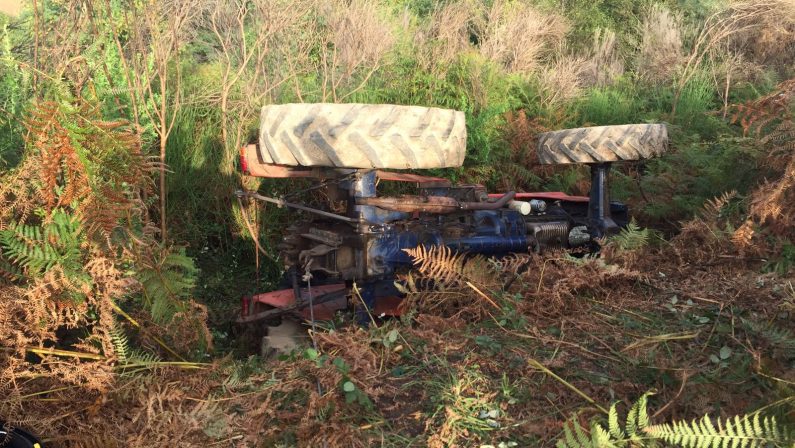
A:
(284, 301)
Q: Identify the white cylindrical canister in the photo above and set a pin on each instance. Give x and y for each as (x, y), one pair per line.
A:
(520, 206)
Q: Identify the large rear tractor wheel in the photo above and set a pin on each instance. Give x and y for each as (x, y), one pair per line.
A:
(603, 144)
(361, 136)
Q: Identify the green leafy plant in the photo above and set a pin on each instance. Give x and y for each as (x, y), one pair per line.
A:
(751, 430)
(746, 431)
(784, 261)
(168, 278)
(128, 356)
(776, 336)
(633, 237)
(352, 393)
(37, 248)
(29, 251)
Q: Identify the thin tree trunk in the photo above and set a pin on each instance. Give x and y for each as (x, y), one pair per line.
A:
(726, 92)
(225, 126)
(163, 139)
(35, 43)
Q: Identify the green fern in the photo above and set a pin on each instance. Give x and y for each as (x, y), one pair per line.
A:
(168, 279)
(8, 270)
(575, 436)
(121, 345)
(632, 238)
(31, 250)
(37, 248)
(598, 436)
(749, 431)
(127, 355)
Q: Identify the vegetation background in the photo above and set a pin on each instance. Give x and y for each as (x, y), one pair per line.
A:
(123, 251)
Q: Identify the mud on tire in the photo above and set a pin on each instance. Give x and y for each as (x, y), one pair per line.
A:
(603, 144)
(361, 136)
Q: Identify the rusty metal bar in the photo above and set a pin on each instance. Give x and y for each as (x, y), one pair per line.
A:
(499, 203)
(410, 204)
(282, 203)
(432, 204)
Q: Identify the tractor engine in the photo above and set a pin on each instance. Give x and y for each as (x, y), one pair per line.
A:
(367, 243)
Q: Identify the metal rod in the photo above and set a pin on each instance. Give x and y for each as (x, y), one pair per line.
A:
(498, 204)
(432, 204)
(275, 312)
(282, 203)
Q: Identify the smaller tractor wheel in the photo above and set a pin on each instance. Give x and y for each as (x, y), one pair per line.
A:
(603, 144)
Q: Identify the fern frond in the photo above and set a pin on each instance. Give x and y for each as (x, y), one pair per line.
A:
(514, 264)
(121, 345)
(142, 358)
(575, 436)
(613, 424)
(632, 238)
(35, 250)
(127, 355)
(747, 431)
(168, 278)
(450, 268)
(713, 209)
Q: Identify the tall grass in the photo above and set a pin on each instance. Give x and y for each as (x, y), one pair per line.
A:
(15, 88)
(610, 105)
(200, 195)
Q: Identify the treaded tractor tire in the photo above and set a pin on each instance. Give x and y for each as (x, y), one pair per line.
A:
(362, 136)
(603, 144)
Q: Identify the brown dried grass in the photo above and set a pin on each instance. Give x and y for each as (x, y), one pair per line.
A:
(446, 36)
(516, 35)
(771, 38)
(359, 39)
(561, 80)
(453, 374)
(605, 64)
(661, 47)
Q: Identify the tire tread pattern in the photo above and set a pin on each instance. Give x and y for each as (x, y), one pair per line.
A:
(362, 136)
(603, 144)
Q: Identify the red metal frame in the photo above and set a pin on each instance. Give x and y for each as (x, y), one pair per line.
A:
(248, 154)
(285, 298)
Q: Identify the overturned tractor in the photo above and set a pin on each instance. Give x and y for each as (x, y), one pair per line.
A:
(348, 148)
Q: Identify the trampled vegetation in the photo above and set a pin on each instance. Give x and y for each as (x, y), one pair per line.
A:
(123, 253)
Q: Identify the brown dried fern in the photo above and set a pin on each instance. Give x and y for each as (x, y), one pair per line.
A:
(770, 207)
(450, 268)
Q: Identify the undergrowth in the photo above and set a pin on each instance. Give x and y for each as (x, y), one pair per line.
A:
(103, 320)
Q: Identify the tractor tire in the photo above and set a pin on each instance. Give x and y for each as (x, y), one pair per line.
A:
(362, 136)
(603, 144)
